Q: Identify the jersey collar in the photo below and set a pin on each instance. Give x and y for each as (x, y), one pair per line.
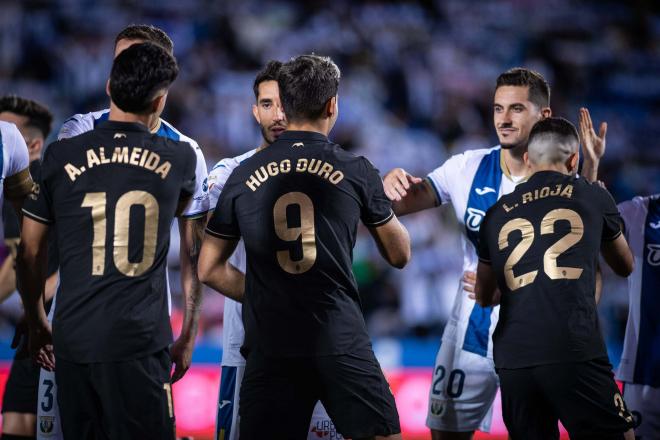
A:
(123, 126)
(291, 135)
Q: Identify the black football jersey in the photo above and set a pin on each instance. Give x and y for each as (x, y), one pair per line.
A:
(112, 194)
(297, 205)
(543, 242)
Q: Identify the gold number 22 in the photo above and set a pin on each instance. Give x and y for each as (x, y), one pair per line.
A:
(551, 254)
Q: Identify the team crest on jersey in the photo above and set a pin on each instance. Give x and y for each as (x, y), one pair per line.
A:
(35, 191)
(437, 407)
(46, 424)
(654, 254)
(475, 216)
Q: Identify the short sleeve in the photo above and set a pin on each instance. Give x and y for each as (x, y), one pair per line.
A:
(217, 179)
(74, 126)
(224, 222)
(442, 178)
(484, 250)
(199, 205)
(376, 207)
(612, 221)
(38, 205)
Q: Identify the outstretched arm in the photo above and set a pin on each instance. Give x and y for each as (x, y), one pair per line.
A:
(408, 193)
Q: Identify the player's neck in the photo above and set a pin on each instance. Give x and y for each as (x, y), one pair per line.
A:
(513, 159)
(319, 126)
(117, 114)
(559, 168)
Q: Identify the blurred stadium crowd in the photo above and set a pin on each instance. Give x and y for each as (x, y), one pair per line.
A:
(417, 87)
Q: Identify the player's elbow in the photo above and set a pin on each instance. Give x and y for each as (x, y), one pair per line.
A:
(625, 267)
(204, 271)
(400, 255)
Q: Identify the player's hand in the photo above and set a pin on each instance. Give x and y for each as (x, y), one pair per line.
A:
(40, 342)
(469, 281)
(397, 181)
(181, 354)
(593, 145)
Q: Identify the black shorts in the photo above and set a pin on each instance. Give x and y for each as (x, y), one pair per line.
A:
(583, 395)
(22, 387)
(116, 400)
(278, 396)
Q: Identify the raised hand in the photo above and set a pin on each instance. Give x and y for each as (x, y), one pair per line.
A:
(593, 145)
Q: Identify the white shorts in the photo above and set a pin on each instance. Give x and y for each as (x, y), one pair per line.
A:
(643, 402)
(48, 413)
(462, 391)
(228, 419)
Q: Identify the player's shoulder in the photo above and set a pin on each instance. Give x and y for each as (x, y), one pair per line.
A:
(8, 131)
(229, 163)
(224, 168)
(167, 130)
(466, 161)
(81, 123)
(637, 205)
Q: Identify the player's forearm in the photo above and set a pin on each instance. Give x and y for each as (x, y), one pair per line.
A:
(590, 168)
(419, 197)
(30, 277)
(191, 238)
(7, 278)
(227, 280)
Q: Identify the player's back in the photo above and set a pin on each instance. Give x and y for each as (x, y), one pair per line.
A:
(297, 205)
(544, 240)
(112, 193)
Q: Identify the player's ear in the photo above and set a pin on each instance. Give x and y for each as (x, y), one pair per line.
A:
(546, 112)
(526, 158)
(107, 87)
(35, 145)
(158, 104)
(255, 113)
(572, 162)
(331, 107)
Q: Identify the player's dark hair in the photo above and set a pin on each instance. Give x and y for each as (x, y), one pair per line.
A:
(146, 32)
(539, 89)
(270, 72)
(138, 74)
(559, 127)
(38, 116)
(307, 83)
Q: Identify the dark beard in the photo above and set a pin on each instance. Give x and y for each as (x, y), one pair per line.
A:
(264, 134)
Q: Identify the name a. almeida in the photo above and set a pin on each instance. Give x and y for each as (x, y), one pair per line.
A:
(136, 156)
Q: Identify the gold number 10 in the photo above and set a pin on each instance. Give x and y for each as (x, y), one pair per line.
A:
(97, 201)
(550, 257)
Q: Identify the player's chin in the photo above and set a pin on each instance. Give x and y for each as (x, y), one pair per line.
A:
(509, 145)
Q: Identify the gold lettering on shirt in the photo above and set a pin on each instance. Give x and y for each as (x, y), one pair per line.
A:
(322, 169)
(136, 156)
(560, 190)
